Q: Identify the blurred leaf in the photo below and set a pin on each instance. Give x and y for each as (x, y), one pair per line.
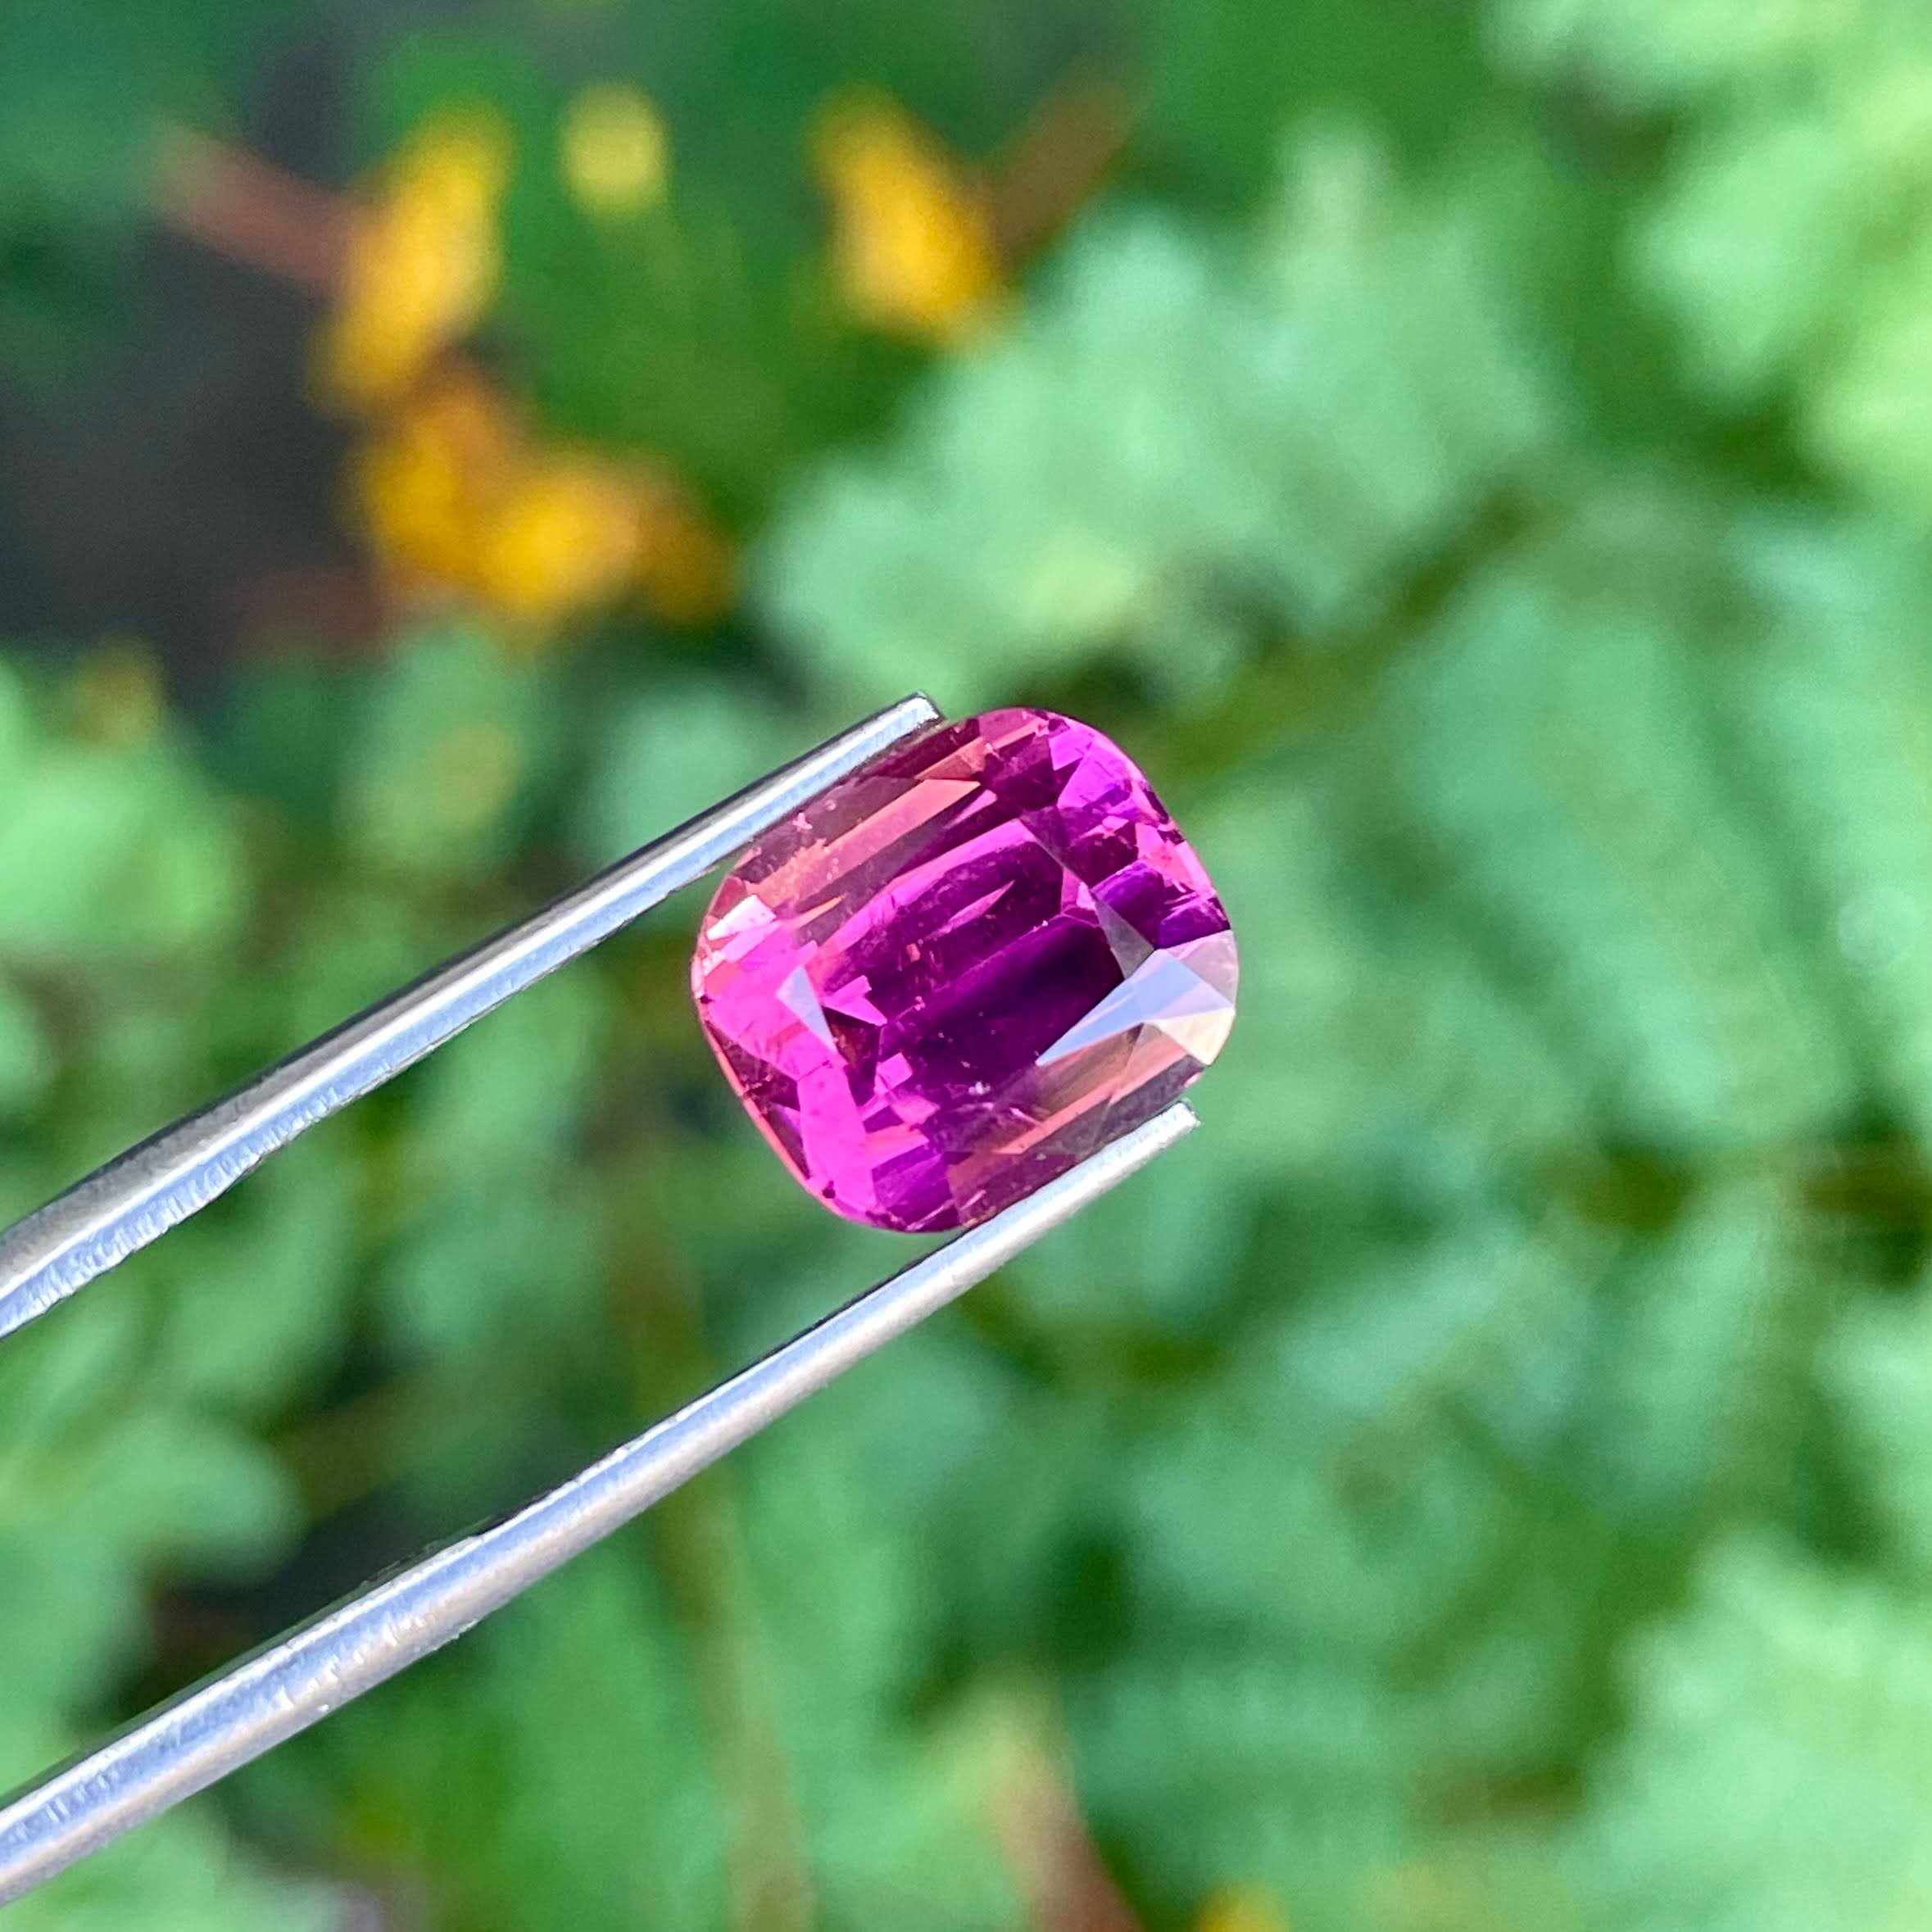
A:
(835, 1573)
(1365, 1463)
(27, 1055)
(1160, 1256)
(514, 1088)
(1834, 710)
(454, 743)
(1702, 1398)
(499, 1233)
(1776, 1772)
(1560, 747)
(566, 1788)
(1788, 237)
(1359, 1005)
(254, 1290)
(1674, 47)
(669, 752)
(491, 1258)
(106, 854)
(103, 1476)
(1178, 428)
(1878, 1373)
(1225, 76)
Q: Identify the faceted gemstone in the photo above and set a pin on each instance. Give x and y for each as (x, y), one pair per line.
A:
(956, 974)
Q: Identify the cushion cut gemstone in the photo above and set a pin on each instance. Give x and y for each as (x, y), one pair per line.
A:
(958, 972)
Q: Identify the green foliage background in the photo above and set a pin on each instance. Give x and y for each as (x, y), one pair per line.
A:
(1477, 456)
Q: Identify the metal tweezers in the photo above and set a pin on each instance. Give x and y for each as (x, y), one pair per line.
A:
(188, 1743)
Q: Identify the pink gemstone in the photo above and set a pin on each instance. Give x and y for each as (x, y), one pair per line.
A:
(958, 972)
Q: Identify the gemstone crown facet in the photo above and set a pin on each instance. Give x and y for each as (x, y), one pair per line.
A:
(956, 974)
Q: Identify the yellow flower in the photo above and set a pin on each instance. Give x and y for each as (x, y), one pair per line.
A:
(458, 499)
(425, 478)
(1243, 1909)
(913, 248)
(615, 152)
(564, 538)
(422, 260)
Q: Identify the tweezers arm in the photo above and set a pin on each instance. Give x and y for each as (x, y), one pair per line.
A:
(207, 1732)
(139, 1196)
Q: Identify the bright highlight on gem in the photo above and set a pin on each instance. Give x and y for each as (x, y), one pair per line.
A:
(956, 974)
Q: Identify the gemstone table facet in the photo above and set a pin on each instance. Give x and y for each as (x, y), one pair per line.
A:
(956, 974)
